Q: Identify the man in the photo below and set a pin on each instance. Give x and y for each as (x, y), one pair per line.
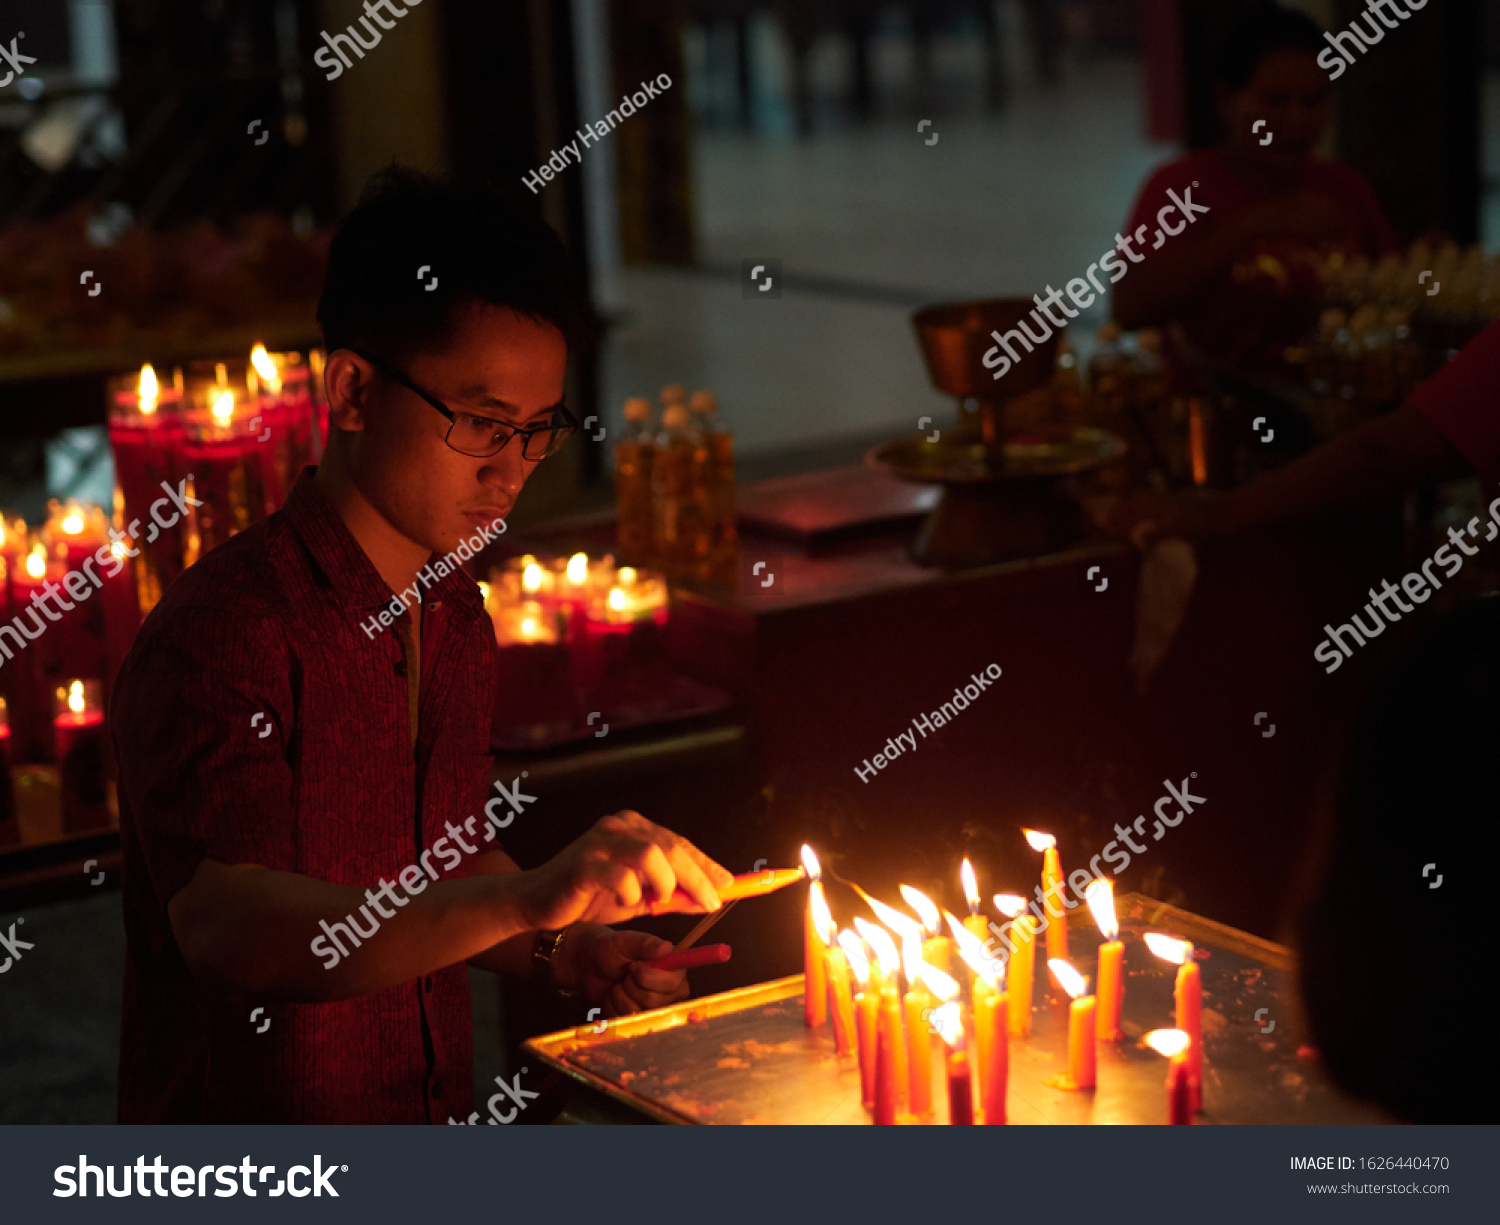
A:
(292, 771)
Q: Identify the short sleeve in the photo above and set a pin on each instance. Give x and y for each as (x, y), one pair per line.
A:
(201, 721)
(1463, 401)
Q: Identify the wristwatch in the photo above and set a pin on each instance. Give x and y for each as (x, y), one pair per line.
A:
(543, 965)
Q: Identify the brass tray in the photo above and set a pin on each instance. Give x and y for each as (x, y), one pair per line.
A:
(745, 1056)
(1061, 450)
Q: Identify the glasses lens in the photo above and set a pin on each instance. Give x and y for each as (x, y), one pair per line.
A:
(476, 435)
(547, 442)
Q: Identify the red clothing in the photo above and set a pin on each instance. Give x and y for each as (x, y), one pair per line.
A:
(271, 623)
(1245, 317)
(1463, 401)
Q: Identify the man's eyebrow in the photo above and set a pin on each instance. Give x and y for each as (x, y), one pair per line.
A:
(478, 396)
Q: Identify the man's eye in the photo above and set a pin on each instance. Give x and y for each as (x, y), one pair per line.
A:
(483, 425)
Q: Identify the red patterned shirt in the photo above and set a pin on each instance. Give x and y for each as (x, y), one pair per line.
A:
(325, 783)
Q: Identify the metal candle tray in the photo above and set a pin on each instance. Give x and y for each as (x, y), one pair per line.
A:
(746, 1056)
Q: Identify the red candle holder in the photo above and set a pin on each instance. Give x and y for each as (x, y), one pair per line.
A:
(78, 723)
(620, 651)
(228, 469)
(146, 436)
(281, 384)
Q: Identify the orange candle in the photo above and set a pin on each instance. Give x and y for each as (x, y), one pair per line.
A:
(975, 924)
(1174, 1044)
(1022, 961)
(814, 976)
(891, 1085)
(1080, 1073)
(892, 1035)
(865, 1015)
(1188, 994)
(1100, 895)
(1052, 895)
(991, 1021)
(840, 1005)
(919, 1052)
(936, 949)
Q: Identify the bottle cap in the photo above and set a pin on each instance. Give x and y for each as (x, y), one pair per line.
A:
(675, 417)
(703, 402)
(637, 408)
(673, 394)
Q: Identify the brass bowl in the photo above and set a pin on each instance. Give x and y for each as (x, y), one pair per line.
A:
(955, 337)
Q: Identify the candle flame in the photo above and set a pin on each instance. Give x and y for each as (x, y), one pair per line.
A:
(1169, 947)
(616, 598)
(75, 697)
(971, 886)
(854, 950)
(147, 390)
(880, 940)
(529, 628)
(948, 1020)
(972, 950)
(1167, 1042)
(265, 367)
(484, 591)
(1100, 895)
(1039, 841)
(940, 984)
(118, 548)
(73, 524)
(578, 567)
(627, 575)
(818, 906)
(36, 561)
(902, 925)
(810, 863)
(223, 407)
(926, 911)
(531, 578)
(1074, 983)
(911, 959)
(1009, 904)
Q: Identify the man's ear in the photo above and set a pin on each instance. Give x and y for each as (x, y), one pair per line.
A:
(349, 381)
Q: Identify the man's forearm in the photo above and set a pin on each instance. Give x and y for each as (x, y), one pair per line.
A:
(511, 956)
(247, 930)
(1375, 460)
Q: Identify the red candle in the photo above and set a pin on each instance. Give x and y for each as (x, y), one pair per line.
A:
(79, 728)
(991, 1022)
(1174, 1043)
(1188, 995)
(146, 436)
(280, 384)
(960, 1089)
(228, 470)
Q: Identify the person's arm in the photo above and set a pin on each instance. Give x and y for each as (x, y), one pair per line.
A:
(248, 930)
(1372, 461)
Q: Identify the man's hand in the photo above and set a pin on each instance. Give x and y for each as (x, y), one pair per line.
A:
(1144, 518)
(608, 966)
(615, 870)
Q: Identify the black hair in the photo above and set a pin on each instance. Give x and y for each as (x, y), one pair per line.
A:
(1394, 932)
(1260, 32)
(477, 242)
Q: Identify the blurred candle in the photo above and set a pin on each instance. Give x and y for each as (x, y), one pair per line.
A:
(975, 923)
(892, 1034)
(936, 949)
(79, 728)
(865, 1014)
(948, 1020)
(146, 437)
(1052, 883)
(1188, 994)
(814, 976)
(1100, 895)
(835, 974)
(1080, 1074)
(991, 1022)
(1173, 1043)
(919, 1001)
(1022, 961)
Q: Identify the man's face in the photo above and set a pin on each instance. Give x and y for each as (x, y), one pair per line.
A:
(497, 365)
(1292, 94)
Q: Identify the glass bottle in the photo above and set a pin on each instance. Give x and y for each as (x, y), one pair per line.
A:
(634, 535)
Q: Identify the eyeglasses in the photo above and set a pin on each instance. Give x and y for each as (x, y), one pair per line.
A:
(482, 437)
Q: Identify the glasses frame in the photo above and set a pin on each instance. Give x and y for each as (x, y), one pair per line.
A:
(396, 376)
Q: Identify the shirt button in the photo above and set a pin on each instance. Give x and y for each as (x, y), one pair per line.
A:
(401, 667)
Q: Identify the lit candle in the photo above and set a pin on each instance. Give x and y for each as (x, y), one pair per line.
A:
(835, 973)
(1052, 883)
(949, 1022)
(1080, 1073)
(146, 436)
(525, 624)
(975, 923)
(936, 949)
(1173, 1043)
(1100, 895)
(892, 1038)
(919, 1001)
(79, 727)
(281, 385)
(1188, 994)
(814, 974)
(1022, 961)
(866, 1018)
(991, 1022)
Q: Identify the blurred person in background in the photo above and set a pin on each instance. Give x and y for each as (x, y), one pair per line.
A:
(1242, 283)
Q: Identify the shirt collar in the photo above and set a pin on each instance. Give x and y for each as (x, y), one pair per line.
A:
(348, 567)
